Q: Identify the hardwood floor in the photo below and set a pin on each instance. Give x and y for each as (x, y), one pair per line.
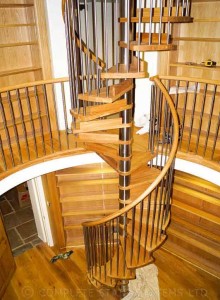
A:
(37, 278)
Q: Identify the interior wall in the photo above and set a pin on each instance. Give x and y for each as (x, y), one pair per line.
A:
(56, 31)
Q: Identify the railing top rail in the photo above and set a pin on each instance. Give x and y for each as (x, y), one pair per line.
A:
(32, 84)
(190, 79)
(163, 172)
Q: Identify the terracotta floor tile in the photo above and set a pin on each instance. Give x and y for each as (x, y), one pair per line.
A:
(5, 207)
(14, 239)
(22, 249)
(27, 229)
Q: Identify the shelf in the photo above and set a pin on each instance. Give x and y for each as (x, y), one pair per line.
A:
(18, 44)
(17, 25)
(206, 20)
(15, 5)
(194, 66)
(19, 71)
(196, 39)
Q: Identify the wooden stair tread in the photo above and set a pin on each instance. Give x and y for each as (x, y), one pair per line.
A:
(103, 138)
(117, 268)
(196, 211)
(105, 124)
(98, 111)
(156, 19)
(196, 259)
(107, 150)
(83, 197)
(194, 239)
(87, 182)
(89, 212)
(122, 71)
(197, 183)
(71, 174)
(156, 242)
(101, 277)
(139, 158)
(114, 92)
(136, 262)
(144, 46)
(197, 199)
(196, 229)
(143, 175)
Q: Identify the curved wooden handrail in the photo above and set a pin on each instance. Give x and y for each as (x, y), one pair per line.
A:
(33, 83)
(190, 79)
(165, 168)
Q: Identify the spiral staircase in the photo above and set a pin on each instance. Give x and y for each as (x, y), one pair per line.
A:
(92, 111)
(102, 69)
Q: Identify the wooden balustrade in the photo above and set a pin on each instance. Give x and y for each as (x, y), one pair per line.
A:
(34, 121)
(118, 244)
(197, 102)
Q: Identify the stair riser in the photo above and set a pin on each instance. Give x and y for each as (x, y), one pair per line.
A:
(187, 198)
(79, 177)
(205, 189)
(78, 220)
(196, 220)
(88, 205)
(193, 254)
(74, 237)
(68, 190)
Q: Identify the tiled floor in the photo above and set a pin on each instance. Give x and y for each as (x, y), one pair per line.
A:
(19, 223)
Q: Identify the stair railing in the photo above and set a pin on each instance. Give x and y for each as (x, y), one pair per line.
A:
(197, 102)
(146, 217)
(34, 122)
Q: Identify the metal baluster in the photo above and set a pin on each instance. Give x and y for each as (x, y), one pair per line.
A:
(168, 190)
(22, 122)
(140, 229)
(8, 138)
(69, 42)
(139, 33)
(95, 35)
(117, 244)
(210, 119)
(116, 36)
(153, 215)
(146, 242)
(56, 114)
(177, 8)
(183, 8)
(160, 22)
(2, 155)
(128, 37)
(14, 126)
(184, 113)
(48, 116)
(75, 63)
(192, 115)
(31, 119)
(201, 117)
(106, 45)
(158, 123)
(39, 118)
(216, 137)
(65, 112)
(160, 210)
(88, 45)
(132, 234)
(150, 25)
(80, 51)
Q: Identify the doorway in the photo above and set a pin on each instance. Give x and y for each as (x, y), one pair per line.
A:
(18, 219)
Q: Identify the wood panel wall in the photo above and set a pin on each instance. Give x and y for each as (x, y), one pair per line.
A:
(196, 42)
(24, 51)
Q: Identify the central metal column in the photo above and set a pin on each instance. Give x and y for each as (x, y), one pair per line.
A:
(125, 134)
